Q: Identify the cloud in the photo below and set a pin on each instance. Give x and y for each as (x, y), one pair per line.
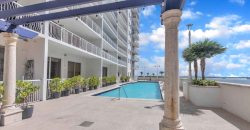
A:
(148, 10)
(193, 3)
(157, 37)
(240, 2)
(243, 44)
(218, 28)
(189, 14)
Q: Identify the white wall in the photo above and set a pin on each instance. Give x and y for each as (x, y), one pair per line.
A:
(31, 50)
(236, 99)
(65, 58)
(205, 96)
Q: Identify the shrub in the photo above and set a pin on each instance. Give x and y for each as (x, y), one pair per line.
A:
(24, 89)
(56, 85)
(77, 81)
(1, 92)
(67, 84)
(113, 79)
(93, 82)
(204, 82)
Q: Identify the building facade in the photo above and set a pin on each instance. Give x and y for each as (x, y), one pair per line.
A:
(94, 45)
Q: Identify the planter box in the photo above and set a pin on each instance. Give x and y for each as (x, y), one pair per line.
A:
(208, 96)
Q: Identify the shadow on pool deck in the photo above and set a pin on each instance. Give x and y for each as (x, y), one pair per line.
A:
(202, 116)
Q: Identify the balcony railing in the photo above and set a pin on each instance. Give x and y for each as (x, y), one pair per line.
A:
(122, 51)
(122, 40)
(109, 40)
(59, 33)
(113, 28)
(108, 56)
(38, 26)
(91, 24)
(122, 62)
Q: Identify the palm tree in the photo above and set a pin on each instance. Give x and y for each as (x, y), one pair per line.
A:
(161, 72)
(141, 73)
(189, 56)
(153, 74)
(147, 74)
(206, 49)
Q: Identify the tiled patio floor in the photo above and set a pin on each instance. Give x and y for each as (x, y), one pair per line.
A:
(67, 113)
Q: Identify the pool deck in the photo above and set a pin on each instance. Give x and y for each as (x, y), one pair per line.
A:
(67, 113)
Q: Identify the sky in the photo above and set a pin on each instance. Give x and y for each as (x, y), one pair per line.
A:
(224, 21)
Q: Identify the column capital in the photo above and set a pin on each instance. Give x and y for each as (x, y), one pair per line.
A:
(172, 18)
(9, 37)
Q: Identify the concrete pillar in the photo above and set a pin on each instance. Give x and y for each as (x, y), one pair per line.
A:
(171, 118)
(9, 112)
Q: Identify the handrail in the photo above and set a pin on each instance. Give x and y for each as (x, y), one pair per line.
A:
(122, 51)
(109, 40)
(110, 24)
(91, 23)
(120, 92)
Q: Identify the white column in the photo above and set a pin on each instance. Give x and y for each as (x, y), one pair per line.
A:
(171, 118)
(9, 112)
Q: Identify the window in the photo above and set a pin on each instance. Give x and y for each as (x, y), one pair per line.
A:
(74, 69)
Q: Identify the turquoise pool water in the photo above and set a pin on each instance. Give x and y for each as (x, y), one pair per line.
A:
(138, 90)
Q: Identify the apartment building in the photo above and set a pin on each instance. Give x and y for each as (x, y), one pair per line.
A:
(95, 45)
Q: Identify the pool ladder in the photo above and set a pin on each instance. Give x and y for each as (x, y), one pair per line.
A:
(120, 92)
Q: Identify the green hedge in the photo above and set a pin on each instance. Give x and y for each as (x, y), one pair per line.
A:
(204, 82)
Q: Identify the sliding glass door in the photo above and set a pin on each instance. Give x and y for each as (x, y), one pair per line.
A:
(74, 69)
(54, 68)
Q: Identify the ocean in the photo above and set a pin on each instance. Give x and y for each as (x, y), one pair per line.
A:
(232, 80)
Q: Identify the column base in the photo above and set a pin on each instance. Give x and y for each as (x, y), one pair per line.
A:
(11, 115)
(167, 124)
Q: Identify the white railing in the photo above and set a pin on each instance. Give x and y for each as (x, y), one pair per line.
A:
(106, 19)
(109, 57)
(91, 24)
(36, 96)
(122, 40)
(38, 26)
(122, 51)
(61, 34)
(114, 17)
(109, 40)
(122, 63)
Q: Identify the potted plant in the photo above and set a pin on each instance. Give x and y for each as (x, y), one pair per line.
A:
(93, 82)
(127, 78)
(122, 79)
(84, 84)
(77, 83)
(56, 87)
(67, 86)
(24, 90)
(109, 80)
(104, 81)
(1, 92)
(113, 79)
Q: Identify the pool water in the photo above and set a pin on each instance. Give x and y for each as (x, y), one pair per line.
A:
(138, 90)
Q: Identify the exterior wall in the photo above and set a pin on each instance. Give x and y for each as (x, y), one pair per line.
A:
(31, 50)
(234, 98)
(205, 96)
(66, 58)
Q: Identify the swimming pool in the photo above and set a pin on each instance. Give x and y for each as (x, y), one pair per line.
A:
(138, 90)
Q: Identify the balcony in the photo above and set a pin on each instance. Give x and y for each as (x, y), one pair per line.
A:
(135, 59)
(87, 20)
(122, 41)
(135, 51)
(121, 62)
(108, 22)
(135, 44)
(109, 40)
(62, 34)
(122, 51)
(109, 57)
